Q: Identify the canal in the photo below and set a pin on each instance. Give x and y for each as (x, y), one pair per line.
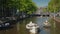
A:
(20, 27)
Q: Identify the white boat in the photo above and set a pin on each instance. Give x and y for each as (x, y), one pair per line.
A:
(47, 24)
(33, 28)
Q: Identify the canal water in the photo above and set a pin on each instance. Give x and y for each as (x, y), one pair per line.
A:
(20, 27)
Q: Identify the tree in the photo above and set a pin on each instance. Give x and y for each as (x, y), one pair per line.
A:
(26, 6)
(54, 6)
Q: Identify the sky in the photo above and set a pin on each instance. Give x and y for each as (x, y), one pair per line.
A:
(41, 3)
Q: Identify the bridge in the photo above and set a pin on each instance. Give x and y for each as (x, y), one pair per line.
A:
(41, 13)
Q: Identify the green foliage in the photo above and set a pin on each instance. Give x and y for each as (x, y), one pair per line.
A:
(28, 6)
(45, 10)
(54, 6)
(23, 5)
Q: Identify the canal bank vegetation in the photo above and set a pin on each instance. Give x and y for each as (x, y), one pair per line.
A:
(15, 10)
(10, 7)
(54, 5)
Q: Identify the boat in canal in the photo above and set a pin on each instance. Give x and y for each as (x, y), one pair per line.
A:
(33, 27)
(4, 23)
(46, 24)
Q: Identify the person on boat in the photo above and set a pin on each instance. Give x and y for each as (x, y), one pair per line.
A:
(46, 23)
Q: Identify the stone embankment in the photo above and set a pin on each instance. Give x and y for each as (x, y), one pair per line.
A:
(56, 19)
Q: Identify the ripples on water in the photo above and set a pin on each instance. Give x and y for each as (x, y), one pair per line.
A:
(19, 28)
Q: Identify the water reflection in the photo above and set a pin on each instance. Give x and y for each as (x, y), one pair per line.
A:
(20, 27)
(39, 21)
(34, 33)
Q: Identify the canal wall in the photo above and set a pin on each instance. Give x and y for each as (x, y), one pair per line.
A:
(14, 20)
(56, 19)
